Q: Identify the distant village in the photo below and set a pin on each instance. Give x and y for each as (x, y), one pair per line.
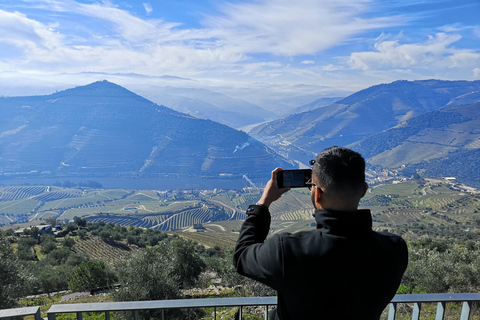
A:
(393, 176)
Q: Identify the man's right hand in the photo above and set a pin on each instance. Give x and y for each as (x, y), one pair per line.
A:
(271, 191)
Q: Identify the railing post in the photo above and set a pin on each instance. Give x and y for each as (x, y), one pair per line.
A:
(440, 310)
(52, 316)
(417, 306)
(266, 312)
(38, 316)
(240, 313)
(392, 309)
(214, 313)
(107, 315)
(79, 316)
(135, 315)
(466, 310)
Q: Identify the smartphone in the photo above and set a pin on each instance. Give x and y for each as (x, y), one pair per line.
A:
(293, 178)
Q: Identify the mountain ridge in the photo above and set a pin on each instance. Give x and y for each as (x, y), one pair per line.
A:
(104, 129)
(359, 115)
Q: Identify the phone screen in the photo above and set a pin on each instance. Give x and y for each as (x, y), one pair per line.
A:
(293, 178)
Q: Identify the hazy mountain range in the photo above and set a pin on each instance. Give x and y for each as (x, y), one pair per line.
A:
(413, 123)
(102, 129)
(206, 104)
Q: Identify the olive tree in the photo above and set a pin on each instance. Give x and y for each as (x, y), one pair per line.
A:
(159, 273)
(89, 275)
(14, 280)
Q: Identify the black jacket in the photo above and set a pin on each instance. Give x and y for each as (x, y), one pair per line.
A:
(340, 270)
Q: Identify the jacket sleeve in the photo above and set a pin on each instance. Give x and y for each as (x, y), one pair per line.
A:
(255, 258)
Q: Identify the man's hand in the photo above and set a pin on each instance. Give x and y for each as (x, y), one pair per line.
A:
(271, 191)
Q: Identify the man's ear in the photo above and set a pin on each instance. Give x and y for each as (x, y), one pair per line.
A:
(365, 188)
(318, 194)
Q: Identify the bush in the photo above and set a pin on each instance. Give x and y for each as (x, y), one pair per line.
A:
(90, 275)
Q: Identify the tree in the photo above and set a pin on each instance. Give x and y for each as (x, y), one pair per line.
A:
(68, 242)
(48, 243)
(89, 275)
(106, 235)
(439, 266)
(148, 274)
(159, 273)
(58, 256)
(82, 233)
(187, 263)
(14, 280)
(69, 227)
(25, 249)
(51, 221)
(80, 222)
(52, 279)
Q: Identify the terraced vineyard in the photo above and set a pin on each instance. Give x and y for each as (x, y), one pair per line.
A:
(405, 206)
(97, 249)
(18, 193)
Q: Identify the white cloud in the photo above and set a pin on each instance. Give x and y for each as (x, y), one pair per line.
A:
(476, 73)
(241, 41)
(284, 27)
(149, 46)
(148, 7)
(435, 53)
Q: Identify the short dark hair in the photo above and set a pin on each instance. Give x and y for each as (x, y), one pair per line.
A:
(340, 170)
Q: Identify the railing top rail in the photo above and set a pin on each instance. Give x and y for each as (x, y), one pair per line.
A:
(234, 302)
(436, 297)
(10, 313)
(161, 304)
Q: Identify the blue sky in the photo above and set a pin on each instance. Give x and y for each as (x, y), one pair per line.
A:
(335, 46)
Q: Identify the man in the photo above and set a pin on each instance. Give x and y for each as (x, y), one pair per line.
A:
(340, 270)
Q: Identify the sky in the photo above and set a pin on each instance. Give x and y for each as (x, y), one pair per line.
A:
(326, 47)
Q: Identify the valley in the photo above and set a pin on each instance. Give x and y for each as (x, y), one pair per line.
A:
(411, 208)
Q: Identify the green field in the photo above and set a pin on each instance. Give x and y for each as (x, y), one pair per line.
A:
(405, 208)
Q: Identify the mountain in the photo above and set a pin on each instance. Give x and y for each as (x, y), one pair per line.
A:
(361, 115)
(321, 102)
(103, 129)
(443, 142)
(206, 104)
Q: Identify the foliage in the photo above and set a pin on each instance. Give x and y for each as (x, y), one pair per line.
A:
(52, 279)
(148, 275)
(440, 265)
(25, 249)
(14, 280)
(187, 264)
(68, 242)
(80, 222)
(89, 275)
(48, 243)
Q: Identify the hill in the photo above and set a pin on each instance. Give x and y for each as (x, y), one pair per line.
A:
(321, 102)
(361, 115)
(443, 142)
(102, 129)
(206, 104)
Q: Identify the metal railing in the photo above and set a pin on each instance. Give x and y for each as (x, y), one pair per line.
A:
(466, 299)
(162, 305)
(20, 312)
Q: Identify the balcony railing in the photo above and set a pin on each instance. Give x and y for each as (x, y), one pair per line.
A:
(466, 299)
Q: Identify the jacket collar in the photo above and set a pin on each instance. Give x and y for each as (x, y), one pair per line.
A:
(343, 222)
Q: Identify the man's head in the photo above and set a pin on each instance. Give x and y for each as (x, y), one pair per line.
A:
(340, 177)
